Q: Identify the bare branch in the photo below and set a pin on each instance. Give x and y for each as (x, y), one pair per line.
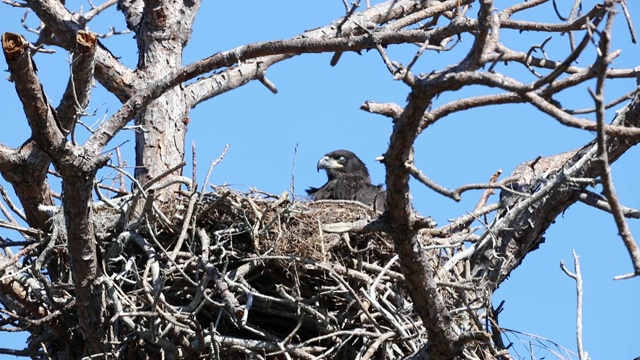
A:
(597, 201)
(577, 276)
(96, 10)
(41, 118)
(77, 94)
(65, 26)
(627, 16)
(607, 179)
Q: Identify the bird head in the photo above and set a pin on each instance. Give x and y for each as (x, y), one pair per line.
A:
(342, 163)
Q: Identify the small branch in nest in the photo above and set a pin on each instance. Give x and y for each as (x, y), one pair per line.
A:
(359, 226)
(345, 238)
(389, 315)
(194, 168)
(256, 227)
(376, 344)
(168, 256)
(188, 219)
(292, 187)
(166, 173)
(355, 297)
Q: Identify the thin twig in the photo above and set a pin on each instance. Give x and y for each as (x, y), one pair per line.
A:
(577, 276)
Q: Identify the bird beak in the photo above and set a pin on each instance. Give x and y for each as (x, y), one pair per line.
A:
(328, 163)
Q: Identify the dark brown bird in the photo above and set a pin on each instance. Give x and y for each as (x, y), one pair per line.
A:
(348, 179)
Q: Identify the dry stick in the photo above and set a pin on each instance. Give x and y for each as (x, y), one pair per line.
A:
(163, 175)
(577, 4)
(521, 6)
(386, 314)
(420, 176)
(7, 214)
(213, 165)
(396, 276)
(613, 103)
(592, 199)
(488, 192)
(376, 344)
(531, 51)
(568, 120)
(455, 194)
(435, 8)
(121, 176)
(323, 318)
(194, 168)
(394, 111)
(382, 272)
(23, 230)
(463, 221)
(335, 348)
(206, 181)
(371, 296)
(163, 251)
(106, 200)
(185, 225)
(146, 191)
(336, 56)
(355, 296)
(292, 187)
(607, 179)
(256, 227)
(15, 258)
(485, 36)
(627, 16)
(12, 206)
(178, 179)
(578, 278)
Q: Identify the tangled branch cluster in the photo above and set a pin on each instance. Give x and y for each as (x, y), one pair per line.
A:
(255, 276)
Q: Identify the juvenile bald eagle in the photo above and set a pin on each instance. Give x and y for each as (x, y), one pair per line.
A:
(348, 179)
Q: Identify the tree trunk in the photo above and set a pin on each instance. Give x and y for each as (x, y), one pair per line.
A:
(160, 138)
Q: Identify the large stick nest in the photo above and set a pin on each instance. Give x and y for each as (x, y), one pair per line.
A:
(229, 275)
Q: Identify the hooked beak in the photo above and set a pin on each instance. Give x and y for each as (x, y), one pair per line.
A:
(328, 163)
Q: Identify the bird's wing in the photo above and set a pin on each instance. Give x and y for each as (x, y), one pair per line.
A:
(372, 195)
(323, 193)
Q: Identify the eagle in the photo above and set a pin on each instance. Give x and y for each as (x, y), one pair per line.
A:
(348, 179)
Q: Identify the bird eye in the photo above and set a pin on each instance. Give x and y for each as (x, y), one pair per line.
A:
(342, 159)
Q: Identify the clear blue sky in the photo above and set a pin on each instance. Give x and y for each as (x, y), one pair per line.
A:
(317, 107)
